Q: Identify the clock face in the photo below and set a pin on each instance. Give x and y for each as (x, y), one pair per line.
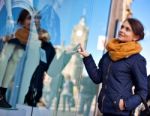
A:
(79, 33)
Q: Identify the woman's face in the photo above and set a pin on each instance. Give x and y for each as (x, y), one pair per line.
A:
(27, 21)
(126, 33)
(37, 19)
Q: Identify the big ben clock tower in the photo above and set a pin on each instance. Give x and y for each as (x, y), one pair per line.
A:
(79, 35)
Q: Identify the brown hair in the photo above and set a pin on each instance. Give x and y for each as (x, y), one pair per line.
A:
(137, 27)
(24, 13)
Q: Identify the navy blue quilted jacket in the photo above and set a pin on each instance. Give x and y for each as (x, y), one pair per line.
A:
(117, 80)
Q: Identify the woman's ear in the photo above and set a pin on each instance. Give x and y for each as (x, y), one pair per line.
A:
(136, 37)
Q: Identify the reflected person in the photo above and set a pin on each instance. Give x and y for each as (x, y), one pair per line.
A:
(47, 53)
(11, 54)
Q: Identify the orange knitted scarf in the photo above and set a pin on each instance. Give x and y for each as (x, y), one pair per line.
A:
(22, 35)
(119, 50)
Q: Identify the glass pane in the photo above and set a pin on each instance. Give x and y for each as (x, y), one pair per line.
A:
(43, 68)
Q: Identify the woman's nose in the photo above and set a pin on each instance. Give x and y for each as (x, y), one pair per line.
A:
(122, 30)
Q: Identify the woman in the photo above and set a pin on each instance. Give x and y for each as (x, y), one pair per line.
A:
(11, 54)
(119, 69)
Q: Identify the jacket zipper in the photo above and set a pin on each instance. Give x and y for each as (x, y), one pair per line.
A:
(105, 85)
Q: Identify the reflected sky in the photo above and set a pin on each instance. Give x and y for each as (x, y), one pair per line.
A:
(140, 9)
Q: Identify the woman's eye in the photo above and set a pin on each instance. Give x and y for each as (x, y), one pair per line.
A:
(122, 27)
(127, 29)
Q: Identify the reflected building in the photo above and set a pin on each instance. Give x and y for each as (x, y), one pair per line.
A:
(119, 11)
(51, 22)
(67, 63)
(79, 35)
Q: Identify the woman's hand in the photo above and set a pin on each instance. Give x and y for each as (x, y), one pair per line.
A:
(83, 52)
(8, 37)
(44, 36)
(121, 105)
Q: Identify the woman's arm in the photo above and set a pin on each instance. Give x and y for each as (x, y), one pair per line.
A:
(140, 80)
(93, 71)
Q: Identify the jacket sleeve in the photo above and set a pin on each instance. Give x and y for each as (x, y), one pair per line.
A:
(93, 71)
(140, 81)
